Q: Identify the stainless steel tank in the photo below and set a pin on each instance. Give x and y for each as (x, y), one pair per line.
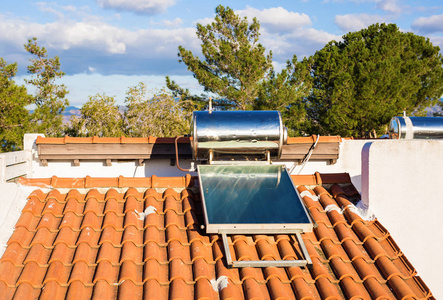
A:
(416, 128)
(237, 134)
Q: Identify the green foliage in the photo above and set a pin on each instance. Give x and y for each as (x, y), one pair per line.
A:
(192, 102)
(50, 98)
(440, 112)
(144, 115)
(369, 77)
(100, 116)
(285, 92)
(14, 117)
(235, 63)
(161, 115)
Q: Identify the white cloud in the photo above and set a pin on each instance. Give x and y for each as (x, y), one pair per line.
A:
(60, 10)
(45, 7)
(88, 43)
(430, 24)
(303, 42)
(150, 7)
(285, 33)
(96, 36)
(204, 21)
(64, 35)
(109, 48)
(277, 19)
(169, 23)
(355, 22)
(437, 41)
(391, 6)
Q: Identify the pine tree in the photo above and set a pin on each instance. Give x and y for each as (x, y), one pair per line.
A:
(286, 92)
(235, 62)
(50, 98)
(14, 117)
(361, 82)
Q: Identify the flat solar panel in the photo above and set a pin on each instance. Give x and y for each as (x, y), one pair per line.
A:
(251, 197)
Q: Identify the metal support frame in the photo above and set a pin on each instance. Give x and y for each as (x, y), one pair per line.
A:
(211, 161)
(265, 263)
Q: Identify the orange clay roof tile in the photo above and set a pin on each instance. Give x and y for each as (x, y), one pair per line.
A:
(313, 138)
(77, 241)
(109, 140)
(162, 140)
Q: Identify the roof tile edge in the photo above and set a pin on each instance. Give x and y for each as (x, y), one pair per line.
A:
(109, 182)
(313, 138)
(161, 140)
(163, 182)
(108, 140)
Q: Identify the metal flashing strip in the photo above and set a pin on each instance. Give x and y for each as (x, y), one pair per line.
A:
(265, 263)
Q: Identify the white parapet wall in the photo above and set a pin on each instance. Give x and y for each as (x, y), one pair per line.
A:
(402, 183)
(13, 164)
(349, 161)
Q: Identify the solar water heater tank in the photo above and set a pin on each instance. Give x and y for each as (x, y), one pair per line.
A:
(416, 128)
(246, 134)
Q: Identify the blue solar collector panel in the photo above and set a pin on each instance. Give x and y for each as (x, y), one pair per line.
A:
(251, 197)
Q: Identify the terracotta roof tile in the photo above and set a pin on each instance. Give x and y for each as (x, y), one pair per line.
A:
(313, 138)
(116, 140)
(147, 243)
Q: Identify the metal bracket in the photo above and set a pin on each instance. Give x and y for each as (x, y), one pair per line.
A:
(265, 263)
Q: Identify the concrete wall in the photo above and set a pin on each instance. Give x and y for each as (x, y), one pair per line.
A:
(402, 183)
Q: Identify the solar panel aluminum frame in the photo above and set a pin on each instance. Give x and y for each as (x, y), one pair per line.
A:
(255, 228)
(266, 263)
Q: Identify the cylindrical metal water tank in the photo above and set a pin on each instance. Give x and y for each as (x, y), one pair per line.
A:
(243, 133)
(416, 128)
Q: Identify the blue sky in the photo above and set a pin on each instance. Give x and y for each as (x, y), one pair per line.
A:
(106, 46)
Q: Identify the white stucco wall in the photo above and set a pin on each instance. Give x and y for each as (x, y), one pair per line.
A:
(158, 167)
(12, 201)
(402, 182)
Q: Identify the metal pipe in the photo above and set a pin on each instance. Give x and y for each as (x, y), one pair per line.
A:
(176, 156)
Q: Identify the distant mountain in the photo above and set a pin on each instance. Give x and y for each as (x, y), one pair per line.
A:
(430, 111)
(70, 111)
